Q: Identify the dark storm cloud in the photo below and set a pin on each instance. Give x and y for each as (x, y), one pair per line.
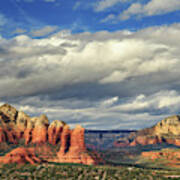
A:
(3, 51)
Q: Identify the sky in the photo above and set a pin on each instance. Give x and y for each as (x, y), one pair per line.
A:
(104, 64)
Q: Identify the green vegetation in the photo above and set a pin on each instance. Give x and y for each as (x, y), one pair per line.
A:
(55, 171)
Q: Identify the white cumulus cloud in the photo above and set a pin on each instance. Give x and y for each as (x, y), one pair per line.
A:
(44, 31)
(100, 79)
(153, 7)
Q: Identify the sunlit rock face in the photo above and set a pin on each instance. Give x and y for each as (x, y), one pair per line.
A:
(54, 131)
(9, 114)
(39, 132)
(73, 148)
(21, 123)
(170, 125)
(16, 126)
(65, 140)
(2, 135)
(165, 131)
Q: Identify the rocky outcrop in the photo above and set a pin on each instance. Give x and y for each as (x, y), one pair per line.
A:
(36, 131)
(54, 131)
(150, 155)
(165, 131)
(16, 126)
(2, 135)
(20, 156)
(168, 154)
(8, 114)
(73, 148)
(77, 139)
(39, 132)
(21, 124)
(145, 140)
(170, 126)
(65, 140)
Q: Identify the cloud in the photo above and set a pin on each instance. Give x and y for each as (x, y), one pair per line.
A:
(162, 100)
(100, 61)
(109, 102)
(29, 1)
(3, 20)
(76, 5)
(112, 113)
(153, 7)
(97, 79)
(19, 31)
(44, 31)
(25, 1)
(50, 0)
(104, 4)
(102, 58)
(110, 17)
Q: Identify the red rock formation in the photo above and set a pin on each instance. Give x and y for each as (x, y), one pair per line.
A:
(45, 152)
(121, 143)
(20, 156)
(28, 135)
(21, 124)
(75, 151)
(15, 126)
(11, 136)
(145, 140)
(139, 140)
(150, 155)
(2, 136)
(173, 141)
(177, 142)
(39, 133)
(36, 131)
(54, 131)
(77, 140)
(9, 112)
(65, 140)
(165, 131)
(168, 154)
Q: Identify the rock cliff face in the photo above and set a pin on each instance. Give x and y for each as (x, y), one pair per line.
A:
(170, 125)
(17, 126)
(73, 147)
(165, 131)
(54, 131)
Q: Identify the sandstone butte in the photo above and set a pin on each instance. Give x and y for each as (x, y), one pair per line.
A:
(16, 127)
(165, 131)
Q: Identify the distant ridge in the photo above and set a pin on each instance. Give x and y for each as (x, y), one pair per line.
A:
(110, 131)
(165, 131)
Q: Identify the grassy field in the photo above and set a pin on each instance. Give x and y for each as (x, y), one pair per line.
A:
(53, 171)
